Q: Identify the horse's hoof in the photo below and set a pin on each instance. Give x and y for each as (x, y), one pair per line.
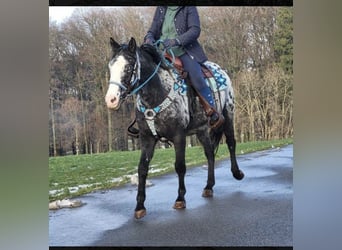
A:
(140, 213)
(179, 205)
(207, 193)
(239, 175)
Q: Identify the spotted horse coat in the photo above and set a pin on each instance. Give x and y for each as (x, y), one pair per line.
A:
(167, 108)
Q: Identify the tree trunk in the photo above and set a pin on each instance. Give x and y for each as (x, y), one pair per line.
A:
(91, 148)
(98, 146)
(109, 120)
(83, 114)
(53, 128)
(77, 141)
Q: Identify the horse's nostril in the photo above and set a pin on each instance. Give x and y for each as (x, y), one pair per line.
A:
(113, 100)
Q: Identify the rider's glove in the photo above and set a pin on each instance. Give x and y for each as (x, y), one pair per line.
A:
(149, 41)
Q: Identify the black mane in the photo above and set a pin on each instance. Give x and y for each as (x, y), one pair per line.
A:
(151, 51)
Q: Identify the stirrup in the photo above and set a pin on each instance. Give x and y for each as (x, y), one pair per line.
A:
(134, 132)
(218, 123)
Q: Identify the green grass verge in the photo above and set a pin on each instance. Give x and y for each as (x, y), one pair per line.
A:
(70, 176)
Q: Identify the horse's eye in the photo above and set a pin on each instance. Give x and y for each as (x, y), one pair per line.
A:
(129, 67)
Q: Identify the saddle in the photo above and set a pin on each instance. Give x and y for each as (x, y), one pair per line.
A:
(177, 63)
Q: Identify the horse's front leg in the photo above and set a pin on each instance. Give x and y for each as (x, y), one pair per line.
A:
(179, 143)
(147, 151)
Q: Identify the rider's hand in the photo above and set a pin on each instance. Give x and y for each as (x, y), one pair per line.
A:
(149, 41)
(169, 43)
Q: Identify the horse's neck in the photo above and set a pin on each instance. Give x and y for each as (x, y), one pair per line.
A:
(153, 93)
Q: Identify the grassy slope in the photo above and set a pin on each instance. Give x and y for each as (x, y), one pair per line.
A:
(70, 176)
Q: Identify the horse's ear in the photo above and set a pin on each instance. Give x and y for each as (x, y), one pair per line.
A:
(132, 45)
(115, 46)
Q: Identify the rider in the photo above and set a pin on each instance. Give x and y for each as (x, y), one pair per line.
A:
(179, 28)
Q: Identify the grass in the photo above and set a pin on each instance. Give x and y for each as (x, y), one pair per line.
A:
(70, 176)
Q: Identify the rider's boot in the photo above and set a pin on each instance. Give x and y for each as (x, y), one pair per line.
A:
(207, 101)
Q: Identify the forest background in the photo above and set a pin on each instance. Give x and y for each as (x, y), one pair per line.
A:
(253, 44)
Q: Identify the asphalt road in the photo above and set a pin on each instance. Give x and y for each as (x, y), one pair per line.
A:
(256, 211)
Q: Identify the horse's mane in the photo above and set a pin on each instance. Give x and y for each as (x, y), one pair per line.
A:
(152, 51)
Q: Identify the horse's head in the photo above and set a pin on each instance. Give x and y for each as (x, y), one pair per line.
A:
(124, 68)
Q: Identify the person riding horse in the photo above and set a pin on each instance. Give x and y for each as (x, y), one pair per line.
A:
(179, 28)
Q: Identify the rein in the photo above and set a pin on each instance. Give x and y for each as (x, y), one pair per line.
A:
(134, 91)
(166, 62)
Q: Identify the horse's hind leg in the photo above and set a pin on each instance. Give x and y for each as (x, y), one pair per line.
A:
(203, 137)
(179, 142)
(231, 143)
(145, 158)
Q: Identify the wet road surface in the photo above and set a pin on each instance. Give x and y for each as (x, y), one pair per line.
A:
(256, 211)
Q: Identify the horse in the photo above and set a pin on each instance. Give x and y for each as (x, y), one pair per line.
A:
(167, 108)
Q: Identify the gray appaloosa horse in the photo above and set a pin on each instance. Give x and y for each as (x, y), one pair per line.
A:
(168, 109)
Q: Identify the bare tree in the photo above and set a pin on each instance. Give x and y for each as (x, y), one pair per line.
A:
(240, 39)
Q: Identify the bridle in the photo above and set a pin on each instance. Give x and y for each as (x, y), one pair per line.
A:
(131, 89)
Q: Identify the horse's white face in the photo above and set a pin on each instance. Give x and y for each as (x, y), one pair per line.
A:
(117, 70)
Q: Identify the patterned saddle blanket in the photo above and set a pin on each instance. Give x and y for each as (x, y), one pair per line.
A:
(212, 73)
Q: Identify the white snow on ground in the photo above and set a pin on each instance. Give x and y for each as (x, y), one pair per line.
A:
(156, 170)
(116, 180)
(133, 179)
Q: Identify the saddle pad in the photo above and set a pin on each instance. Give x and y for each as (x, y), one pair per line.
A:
(220, 80)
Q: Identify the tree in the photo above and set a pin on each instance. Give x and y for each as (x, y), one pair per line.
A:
(249, 42)
(283, 42)
(71, 110)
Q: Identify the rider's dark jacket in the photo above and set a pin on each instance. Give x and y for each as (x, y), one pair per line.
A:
(188, 28)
